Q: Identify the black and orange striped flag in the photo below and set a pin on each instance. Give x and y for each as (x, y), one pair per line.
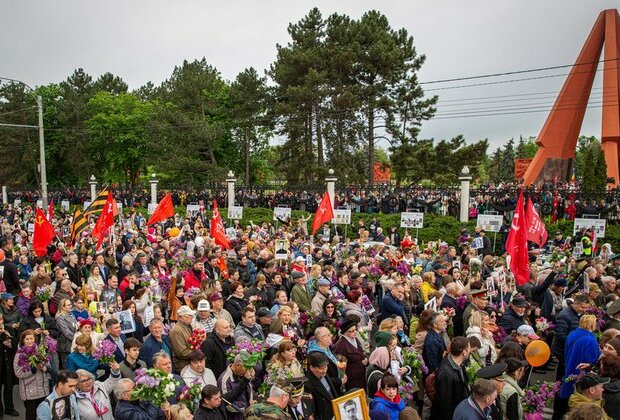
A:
(78, 225)
(97, 205)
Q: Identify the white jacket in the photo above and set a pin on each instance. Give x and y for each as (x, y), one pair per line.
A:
(487, 344)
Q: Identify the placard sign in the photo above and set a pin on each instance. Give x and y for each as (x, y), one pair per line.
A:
(597, 225)
(235, 213)
(282, 213)
(411, 220)
(86, 204)
(490, 222)
(65, 205)
(192, 210)
(152, 207)
(17, 203)
(282, 247)
(342, 217)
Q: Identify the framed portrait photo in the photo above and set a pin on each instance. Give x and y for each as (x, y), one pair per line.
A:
(352, 406)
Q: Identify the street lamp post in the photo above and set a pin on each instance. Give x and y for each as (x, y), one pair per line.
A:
(39, 127)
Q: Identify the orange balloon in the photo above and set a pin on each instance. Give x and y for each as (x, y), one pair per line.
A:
(174, 232)
(537, 353)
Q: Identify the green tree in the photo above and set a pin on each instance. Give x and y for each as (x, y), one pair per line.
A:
(118, 130)
(507, 169)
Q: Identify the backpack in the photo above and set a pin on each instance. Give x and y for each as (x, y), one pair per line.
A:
(429, 386)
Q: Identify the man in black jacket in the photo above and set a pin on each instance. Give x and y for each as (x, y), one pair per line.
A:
(8, 273)
(513, 317)
(217, 345)
(451, 380)
(323, 389)
(211, 407)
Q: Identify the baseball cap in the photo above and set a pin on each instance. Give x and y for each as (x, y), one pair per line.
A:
(520, 302)
(215, 296)
(203, 305)
(7, 295)
(528, 331)
(262, 312)
(185, 310)
(300, 259)
(589, 380)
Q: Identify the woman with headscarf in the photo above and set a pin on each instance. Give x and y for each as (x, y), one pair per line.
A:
(378, 365)
(350, 347)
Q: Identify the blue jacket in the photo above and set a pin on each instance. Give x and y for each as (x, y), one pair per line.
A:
(390, 306)
(137, 410)
(469, 410)
(393, 409)
(77, 361)
(152, 346)
(581, 347)
(432, 352)
(565, 322)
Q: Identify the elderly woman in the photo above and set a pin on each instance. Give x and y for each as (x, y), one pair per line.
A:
(378, 365)
(85, 327)
(66, 323)
(609, 285)
(93, 397)
(478, 327)
(350, 347)
(353, 305)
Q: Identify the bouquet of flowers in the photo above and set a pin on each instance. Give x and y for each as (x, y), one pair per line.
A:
(461, 301)
(251, 352)
(500, 335)
(403, 268)
(165, 280)
(196, 339)
(407, 390)
(543, 326)
(600, 318)
(32, 356)
(191, 292)
(43, 294)
(144, 280)
(374, 273)
(417, 269)
(414, 360)
(104, 352)
(190, 396)
(154, 385)
(537, 397)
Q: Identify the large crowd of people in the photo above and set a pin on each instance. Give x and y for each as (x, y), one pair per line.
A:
(162, 322)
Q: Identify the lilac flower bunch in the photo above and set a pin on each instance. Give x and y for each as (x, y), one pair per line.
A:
(251, 352)
(32, 356)
(43, 294)
(154, 385)
(145, 279)
(190, 395)
(104, 352)
(461, 301)
(500, 335)
(537, 397)
(414, 360)
(191, 292)
(165, 282)
(600, 317)
(374, 273)
(403, 268)
(407, 390)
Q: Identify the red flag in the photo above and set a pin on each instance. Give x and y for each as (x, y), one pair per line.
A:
(324, 213)
(164, 210)
(516, 245)
(106, 219)
(50, 210)
(43, 234)
(536, 231)
(217, 228)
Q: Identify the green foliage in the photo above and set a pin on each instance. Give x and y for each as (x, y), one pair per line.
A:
(593, 168)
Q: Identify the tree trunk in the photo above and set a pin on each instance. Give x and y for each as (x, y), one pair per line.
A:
(319, 138)
(371, 146)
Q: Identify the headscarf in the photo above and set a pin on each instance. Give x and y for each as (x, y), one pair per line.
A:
(380, 357)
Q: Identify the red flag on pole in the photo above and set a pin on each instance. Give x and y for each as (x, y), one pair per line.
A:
(516, 245)
(50, 210)
(324, 213)
(536, 231)
(164, 210)
(43, 234)
(217, 228)
(106, 219)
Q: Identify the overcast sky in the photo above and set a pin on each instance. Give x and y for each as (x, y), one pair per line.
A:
(45, 40)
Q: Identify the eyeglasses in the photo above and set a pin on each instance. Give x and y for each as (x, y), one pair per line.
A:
(83, 381)
(329, 306)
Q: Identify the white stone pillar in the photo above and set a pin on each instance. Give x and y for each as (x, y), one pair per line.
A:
(5, 195)
(465, 178)
(93, 188)
(154, 181)
(230, 181)
(331, 187)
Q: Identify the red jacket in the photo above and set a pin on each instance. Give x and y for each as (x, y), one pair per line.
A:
(191, 280)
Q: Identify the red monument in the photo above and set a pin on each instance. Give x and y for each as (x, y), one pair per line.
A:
(558, 137)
